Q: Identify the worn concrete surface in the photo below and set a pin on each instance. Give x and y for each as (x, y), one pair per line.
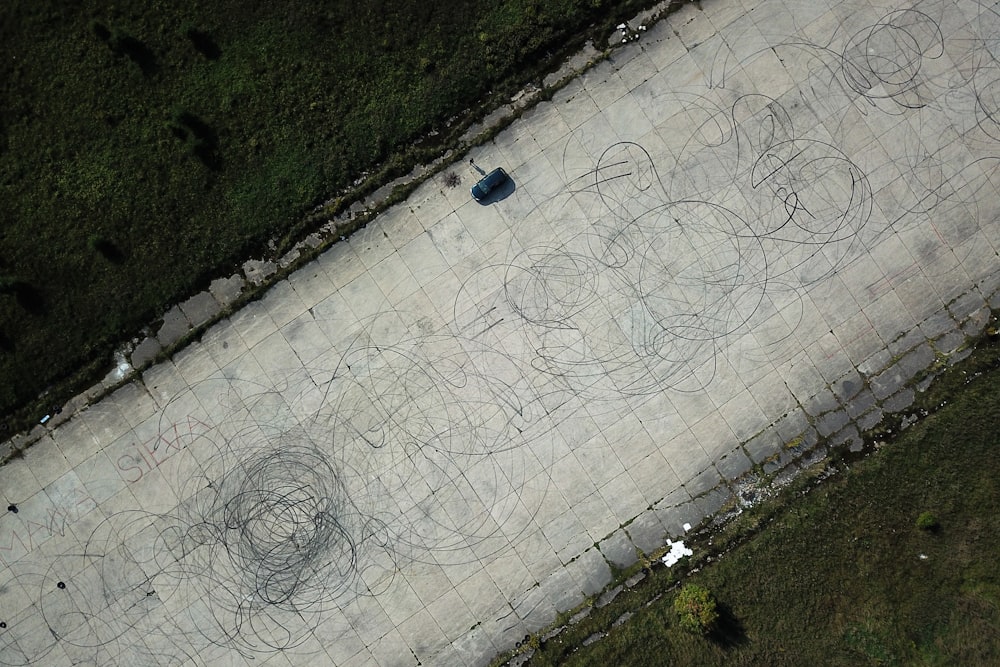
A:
(754, 229)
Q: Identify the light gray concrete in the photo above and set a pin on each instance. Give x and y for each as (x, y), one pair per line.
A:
(754, 227)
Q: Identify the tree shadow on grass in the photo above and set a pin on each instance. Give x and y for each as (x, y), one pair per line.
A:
(27, 296)
(204, 44)
(202, 140)
(133, 49)
(108, 250)
(728, 631)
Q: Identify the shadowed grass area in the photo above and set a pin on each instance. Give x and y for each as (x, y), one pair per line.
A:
(892, 560)
(183, 136)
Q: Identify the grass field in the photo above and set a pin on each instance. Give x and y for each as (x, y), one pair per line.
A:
(837, 572)
(146, 147)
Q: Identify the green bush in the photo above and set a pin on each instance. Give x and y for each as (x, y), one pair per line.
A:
(927, 521)
(696, 609)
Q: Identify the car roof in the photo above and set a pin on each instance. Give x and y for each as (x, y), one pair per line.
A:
(495, 175)
(488, 182)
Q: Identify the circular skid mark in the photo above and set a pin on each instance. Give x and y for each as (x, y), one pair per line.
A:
(442, 393)
(625, 179)
(545, 287)
(297, 497)
(305, 498)
(761, 123)
(987, 94)
(279, 518)
(808, 196)
(701, 277)
(642, 297)
(641, 300)
(891, 53)
(108, 597)
(269, 546)
(442, 439)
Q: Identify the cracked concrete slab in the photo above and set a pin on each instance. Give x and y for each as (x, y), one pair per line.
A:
(452, 423)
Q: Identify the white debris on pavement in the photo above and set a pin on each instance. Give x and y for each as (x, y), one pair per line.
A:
(677, 551)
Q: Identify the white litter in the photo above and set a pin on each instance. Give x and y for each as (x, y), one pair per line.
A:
(686, 527)
(622, 26)
(122, 365)
(677, 551)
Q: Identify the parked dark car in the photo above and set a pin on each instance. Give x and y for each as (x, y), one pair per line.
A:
(489, 182)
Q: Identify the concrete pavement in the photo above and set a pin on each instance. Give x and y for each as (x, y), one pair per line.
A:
(750, 232)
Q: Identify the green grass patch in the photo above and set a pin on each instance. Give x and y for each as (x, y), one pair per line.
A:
(850, 570)
(148, 147)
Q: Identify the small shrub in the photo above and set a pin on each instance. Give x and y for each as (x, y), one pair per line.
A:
(927, 521)
(696, 609)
